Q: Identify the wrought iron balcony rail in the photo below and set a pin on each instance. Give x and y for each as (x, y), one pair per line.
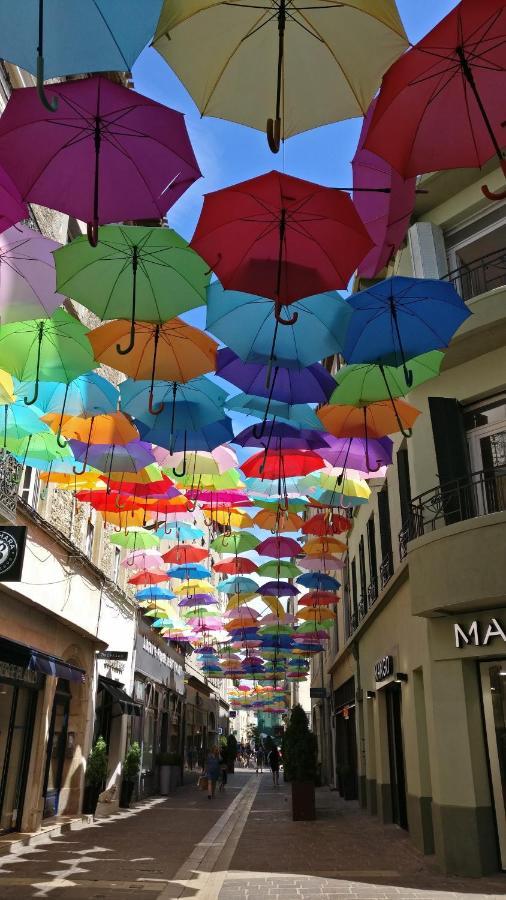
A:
(10, 476)
(480, 494)
(480, 275)
(386, 569)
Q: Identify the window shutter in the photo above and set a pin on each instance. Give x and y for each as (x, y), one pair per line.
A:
(452, 456)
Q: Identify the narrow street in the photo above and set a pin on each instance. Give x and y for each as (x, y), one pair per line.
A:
(242, 845)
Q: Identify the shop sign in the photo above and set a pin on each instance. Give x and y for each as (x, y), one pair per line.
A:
(384, 668)
(477, 634)
(158, 664)
(113, 654)
(17, 673)
(12, 551)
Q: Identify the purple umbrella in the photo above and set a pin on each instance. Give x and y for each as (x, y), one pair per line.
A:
(278, 547)
(282, 436)
(27, 275)
(198, 600)
(12, 208)
(107, 155)
(311, 385)
(109, 458)
(279, 589)
(354, 452)
(385, 215)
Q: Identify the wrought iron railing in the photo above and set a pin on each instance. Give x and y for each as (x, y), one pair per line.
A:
(372, 592)
(480, 494)
(480, 275)
(10, 476)
(386, 569)
(362, 605)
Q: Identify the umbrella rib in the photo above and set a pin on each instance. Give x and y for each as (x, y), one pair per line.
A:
(111, 33)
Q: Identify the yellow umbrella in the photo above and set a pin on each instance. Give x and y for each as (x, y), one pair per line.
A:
(274, 605)
(310, 63)
(194, 586)
(234, 518)
(236, 600)
(69, 482)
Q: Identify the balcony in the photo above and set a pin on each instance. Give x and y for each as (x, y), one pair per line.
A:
(386, 569)
(480, 276)
(482, 493)
(10, 475)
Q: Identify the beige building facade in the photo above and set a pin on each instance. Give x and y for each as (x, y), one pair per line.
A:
(414, 719)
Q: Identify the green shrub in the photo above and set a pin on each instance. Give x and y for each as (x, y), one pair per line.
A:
(299, 748)
(132, 761)
(97, 765)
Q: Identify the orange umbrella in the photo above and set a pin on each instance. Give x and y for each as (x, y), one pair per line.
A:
(113, 428)
(123, 519)
(325, 544)
(318, 598)
(277, 520)
(173, 351)
(323, 524)
(70, 482)
(374, 420)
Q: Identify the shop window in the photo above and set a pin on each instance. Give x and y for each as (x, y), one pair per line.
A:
(56, 746)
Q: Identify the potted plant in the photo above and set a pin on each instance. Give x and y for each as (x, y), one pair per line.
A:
(131, 768)
(231, 753)
(170, 771)
(299, 751)
(96, 774)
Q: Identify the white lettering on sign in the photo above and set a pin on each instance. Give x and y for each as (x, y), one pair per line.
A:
(472, 635)
(161, 656)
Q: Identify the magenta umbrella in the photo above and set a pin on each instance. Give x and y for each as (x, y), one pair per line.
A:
(385, 215)
(279, 547)
(12, 208)
(107, 155)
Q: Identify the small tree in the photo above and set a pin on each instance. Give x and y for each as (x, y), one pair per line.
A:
(132, 762)
(97, 765)
(299, 748)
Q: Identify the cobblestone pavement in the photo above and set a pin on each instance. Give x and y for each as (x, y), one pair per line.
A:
(242, 845)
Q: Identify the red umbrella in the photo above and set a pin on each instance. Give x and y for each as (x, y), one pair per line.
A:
(323, 524)
(185, 553)
(108, 502)
(318, 598)
(275, 465)
(236, 565)
(441, 105)
(384, 200)
(281, 237)
(146, 577)
(136, 489)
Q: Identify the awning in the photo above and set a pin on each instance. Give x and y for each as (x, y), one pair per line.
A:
(127, 705)
(39, 661)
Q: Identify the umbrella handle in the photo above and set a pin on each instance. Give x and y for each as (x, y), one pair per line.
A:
(490, 195)
(152, 410)
(273, 132)
(92, 233)
(131, 343)
(281, 321)
(50, 105)
(37, 368)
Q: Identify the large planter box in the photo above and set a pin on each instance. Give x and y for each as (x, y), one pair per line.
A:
(125, 797)
(303, 801)
(90, 798)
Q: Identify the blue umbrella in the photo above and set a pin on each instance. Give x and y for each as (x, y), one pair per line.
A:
(318, 581)
(300, 414)
(238, 585)
(17, 420)
(50, 38)
(185, 573)
(400, 318)
(179, 531)
(247, 324)
(154, 592)
(187, 406)
(207, 438)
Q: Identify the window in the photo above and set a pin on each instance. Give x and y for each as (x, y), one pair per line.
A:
(354, 591)
(30, 485)
(363, 577)
(90, 533)
(371, 547)
(477, 254)
(117, 554)
(386, 567)
(404, 484)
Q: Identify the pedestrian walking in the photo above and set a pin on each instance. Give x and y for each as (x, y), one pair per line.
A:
(260, 758)
(223, 768)
(212, 772)
(274, 760)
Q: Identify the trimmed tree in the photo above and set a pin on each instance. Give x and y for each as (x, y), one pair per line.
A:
(300, 754)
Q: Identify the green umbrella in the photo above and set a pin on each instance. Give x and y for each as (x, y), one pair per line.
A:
(54, 349)
(358, 385)
(135, 539)
(154, 267)
(295, 504)
(276, 568)
(236, 542)
(43, 446)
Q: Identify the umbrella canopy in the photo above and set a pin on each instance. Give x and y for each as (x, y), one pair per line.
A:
(236, 542)
(277, 568)
(12, 208)
(153, 266)
(344, 452)
(400, 318)
(281, 436)
(235, 565)
(207, 438)
(319, 581)
(133, 155)
(215, 462)
(365, 383)
(375, 420)
(329, 59)
(85, 396)
(6, 388)
(279, 547)
(323, 524)
(135, 539)
(278, 520)
(384, 200)
(109, 458)
(237, 584)
(169, 406)
(185, 553)
(54, 349)
(324, 544)
(190, 571)
(275, 465)
(280, 237)
(179, 531)
(313, 384)
(148, 578)
(449, 87)
(154, 593)
(17, 421)
(143, 559)
(324, 563)
(113, 428)
(28, 282)
(247, 324)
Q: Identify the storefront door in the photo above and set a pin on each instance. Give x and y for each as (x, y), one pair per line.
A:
(56, 746)
(17, 709)
(493, 685)
(396, 755)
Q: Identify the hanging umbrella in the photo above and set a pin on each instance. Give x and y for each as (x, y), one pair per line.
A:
(40, 451)
(216, 462)
(228, 481)
(135, 539)
(54, 349)
(311, 63)
(323, 524)
(103, 501)
(235, 565)
(236, 542)
(313, 384)
(174, 352)
(280, 435)
(179, 407)
(148, 578)
(355, 451)
(85, 396)
(113, 428)
(277, 568)
(143, 559)
(400, 318)
(375, 420)
(280, 237)
(318, 598)
(300, 414)
(276, 465)
(17, 421)
(247, 324)
(365, 383)
(386, 210)
(325, 544)
(154, 593)
(207, 438)
(153, 266)
(295, 504)
(279, 547)
(318, 581)
(179, 531)
(190, 571)
(440, 105)
(185, 553)
(228, 516)
(133, 155)
(237, 584)
(6, 388)
(52, 39)
(27, 274)
(277, 520)
(12, 208)
(324, 563)
(112, 457)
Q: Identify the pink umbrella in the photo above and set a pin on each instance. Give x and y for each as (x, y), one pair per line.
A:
(12, 208)
(27, 274)
(279, 547)
(385, 215)
(325, 563)
(234, 498)
(143, 559)
(273, 619)
(107, 154)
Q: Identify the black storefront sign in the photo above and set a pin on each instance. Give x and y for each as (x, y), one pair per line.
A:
(384, 668)
(113, 654)
(12, 551)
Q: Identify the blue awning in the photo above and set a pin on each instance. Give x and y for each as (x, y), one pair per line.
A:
(39, 661)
